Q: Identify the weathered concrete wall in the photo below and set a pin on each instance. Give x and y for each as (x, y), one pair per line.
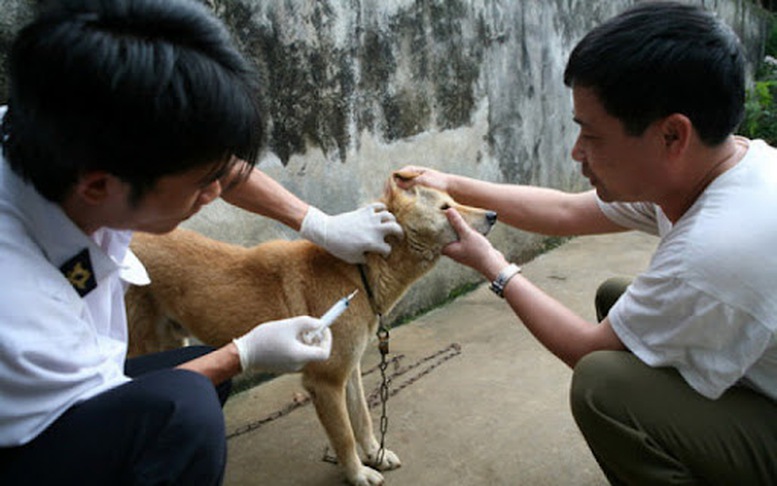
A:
(13, 14)
(358, 88)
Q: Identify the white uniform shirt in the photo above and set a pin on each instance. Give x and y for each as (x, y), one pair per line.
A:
(707, 304)
(56, 347)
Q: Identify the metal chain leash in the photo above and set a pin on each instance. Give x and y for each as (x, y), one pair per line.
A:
(375, 398)
(297, 403)
(383, 347)
(443, 355)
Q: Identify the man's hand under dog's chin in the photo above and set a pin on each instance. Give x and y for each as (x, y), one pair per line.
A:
(473, 249)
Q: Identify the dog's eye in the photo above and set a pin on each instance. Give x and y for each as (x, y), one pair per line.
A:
(445, 206)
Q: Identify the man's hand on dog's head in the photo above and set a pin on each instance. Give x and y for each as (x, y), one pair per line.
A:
(348, 236)
(412, 175)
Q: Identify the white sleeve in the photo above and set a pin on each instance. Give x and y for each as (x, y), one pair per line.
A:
(637, 216)
(50, 354)
(666, 321)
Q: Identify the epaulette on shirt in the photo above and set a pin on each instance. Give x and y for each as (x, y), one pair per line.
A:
(78, 271)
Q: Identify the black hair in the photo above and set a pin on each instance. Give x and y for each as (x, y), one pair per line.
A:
(138, 88)
(661, 58)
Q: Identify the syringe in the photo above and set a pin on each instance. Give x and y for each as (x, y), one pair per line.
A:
(328, 318)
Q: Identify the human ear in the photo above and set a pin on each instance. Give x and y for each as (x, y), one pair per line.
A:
(95, 187)
(676, 130)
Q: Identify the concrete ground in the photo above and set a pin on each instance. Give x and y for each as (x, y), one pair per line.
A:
(476, 399)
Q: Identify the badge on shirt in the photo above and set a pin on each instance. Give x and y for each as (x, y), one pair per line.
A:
(78, 271)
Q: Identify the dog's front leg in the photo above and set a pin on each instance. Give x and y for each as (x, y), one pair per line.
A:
(359, 413)
(329, 400)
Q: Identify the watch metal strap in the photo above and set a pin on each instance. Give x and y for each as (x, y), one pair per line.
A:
(504, 276)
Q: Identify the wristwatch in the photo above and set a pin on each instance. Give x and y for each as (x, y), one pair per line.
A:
(504, 276)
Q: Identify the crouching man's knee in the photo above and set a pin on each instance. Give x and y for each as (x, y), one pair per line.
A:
(189, 446)
(625, 411)
(601, 384)
(595, 384)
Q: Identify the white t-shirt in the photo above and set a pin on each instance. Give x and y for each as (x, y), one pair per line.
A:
(707, 304)
(56, 347)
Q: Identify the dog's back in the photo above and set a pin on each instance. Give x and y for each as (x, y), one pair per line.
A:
(219, 291)
(227, 288)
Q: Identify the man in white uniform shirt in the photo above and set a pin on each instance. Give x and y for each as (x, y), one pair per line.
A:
(129, 115)
(677, 383)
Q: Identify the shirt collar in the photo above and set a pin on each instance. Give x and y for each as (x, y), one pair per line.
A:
(62, 241)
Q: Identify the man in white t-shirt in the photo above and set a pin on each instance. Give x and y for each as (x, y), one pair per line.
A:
(678, 382)
(129, 115)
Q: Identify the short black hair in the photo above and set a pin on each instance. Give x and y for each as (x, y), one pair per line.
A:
(137, 88)
(661, 58)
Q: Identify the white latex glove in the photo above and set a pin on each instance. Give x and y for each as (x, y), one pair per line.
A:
(349, 235)
(278, 346)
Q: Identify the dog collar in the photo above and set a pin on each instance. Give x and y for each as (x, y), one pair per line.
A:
(368, 289)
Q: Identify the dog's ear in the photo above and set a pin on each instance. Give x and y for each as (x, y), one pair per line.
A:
(404, 175)
(393, 187)
(401, 181)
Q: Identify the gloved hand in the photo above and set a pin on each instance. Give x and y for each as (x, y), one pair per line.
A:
(277, 346)
(349, 235)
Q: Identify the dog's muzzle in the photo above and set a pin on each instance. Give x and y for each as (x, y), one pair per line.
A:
(491, 217)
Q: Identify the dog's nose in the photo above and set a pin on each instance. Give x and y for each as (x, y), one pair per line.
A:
(491, 217)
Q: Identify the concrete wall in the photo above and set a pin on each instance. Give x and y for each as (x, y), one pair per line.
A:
(358, 88)
(13, 15)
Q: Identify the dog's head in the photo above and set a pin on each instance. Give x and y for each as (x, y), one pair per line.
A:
(421, 210)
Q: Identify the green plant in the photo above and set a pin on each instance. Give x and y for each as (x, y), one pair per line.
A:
(760, 112)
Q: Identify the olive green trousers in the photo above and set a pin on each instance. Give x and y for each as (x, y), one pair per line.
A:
(647, 426)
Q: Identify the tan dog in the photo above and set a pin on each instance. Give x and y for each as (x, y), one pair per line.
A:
(219, 291)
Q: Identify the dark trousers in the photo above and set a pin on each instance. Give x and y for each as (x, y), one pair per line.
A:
(166, 426)
(647, 426)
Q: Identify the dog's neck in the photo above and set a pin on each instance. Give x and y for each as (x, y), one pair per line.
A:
(388, 278)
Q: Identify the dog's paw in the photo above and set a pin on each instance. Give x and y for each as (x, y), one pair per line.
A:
(390, 461)
(366, 476)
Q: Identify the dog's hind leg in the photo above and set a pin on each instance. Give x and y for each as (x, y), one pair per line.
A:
(142, 317)
(150, 331)
(171, 335)
(329, 400)
(359, 413)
